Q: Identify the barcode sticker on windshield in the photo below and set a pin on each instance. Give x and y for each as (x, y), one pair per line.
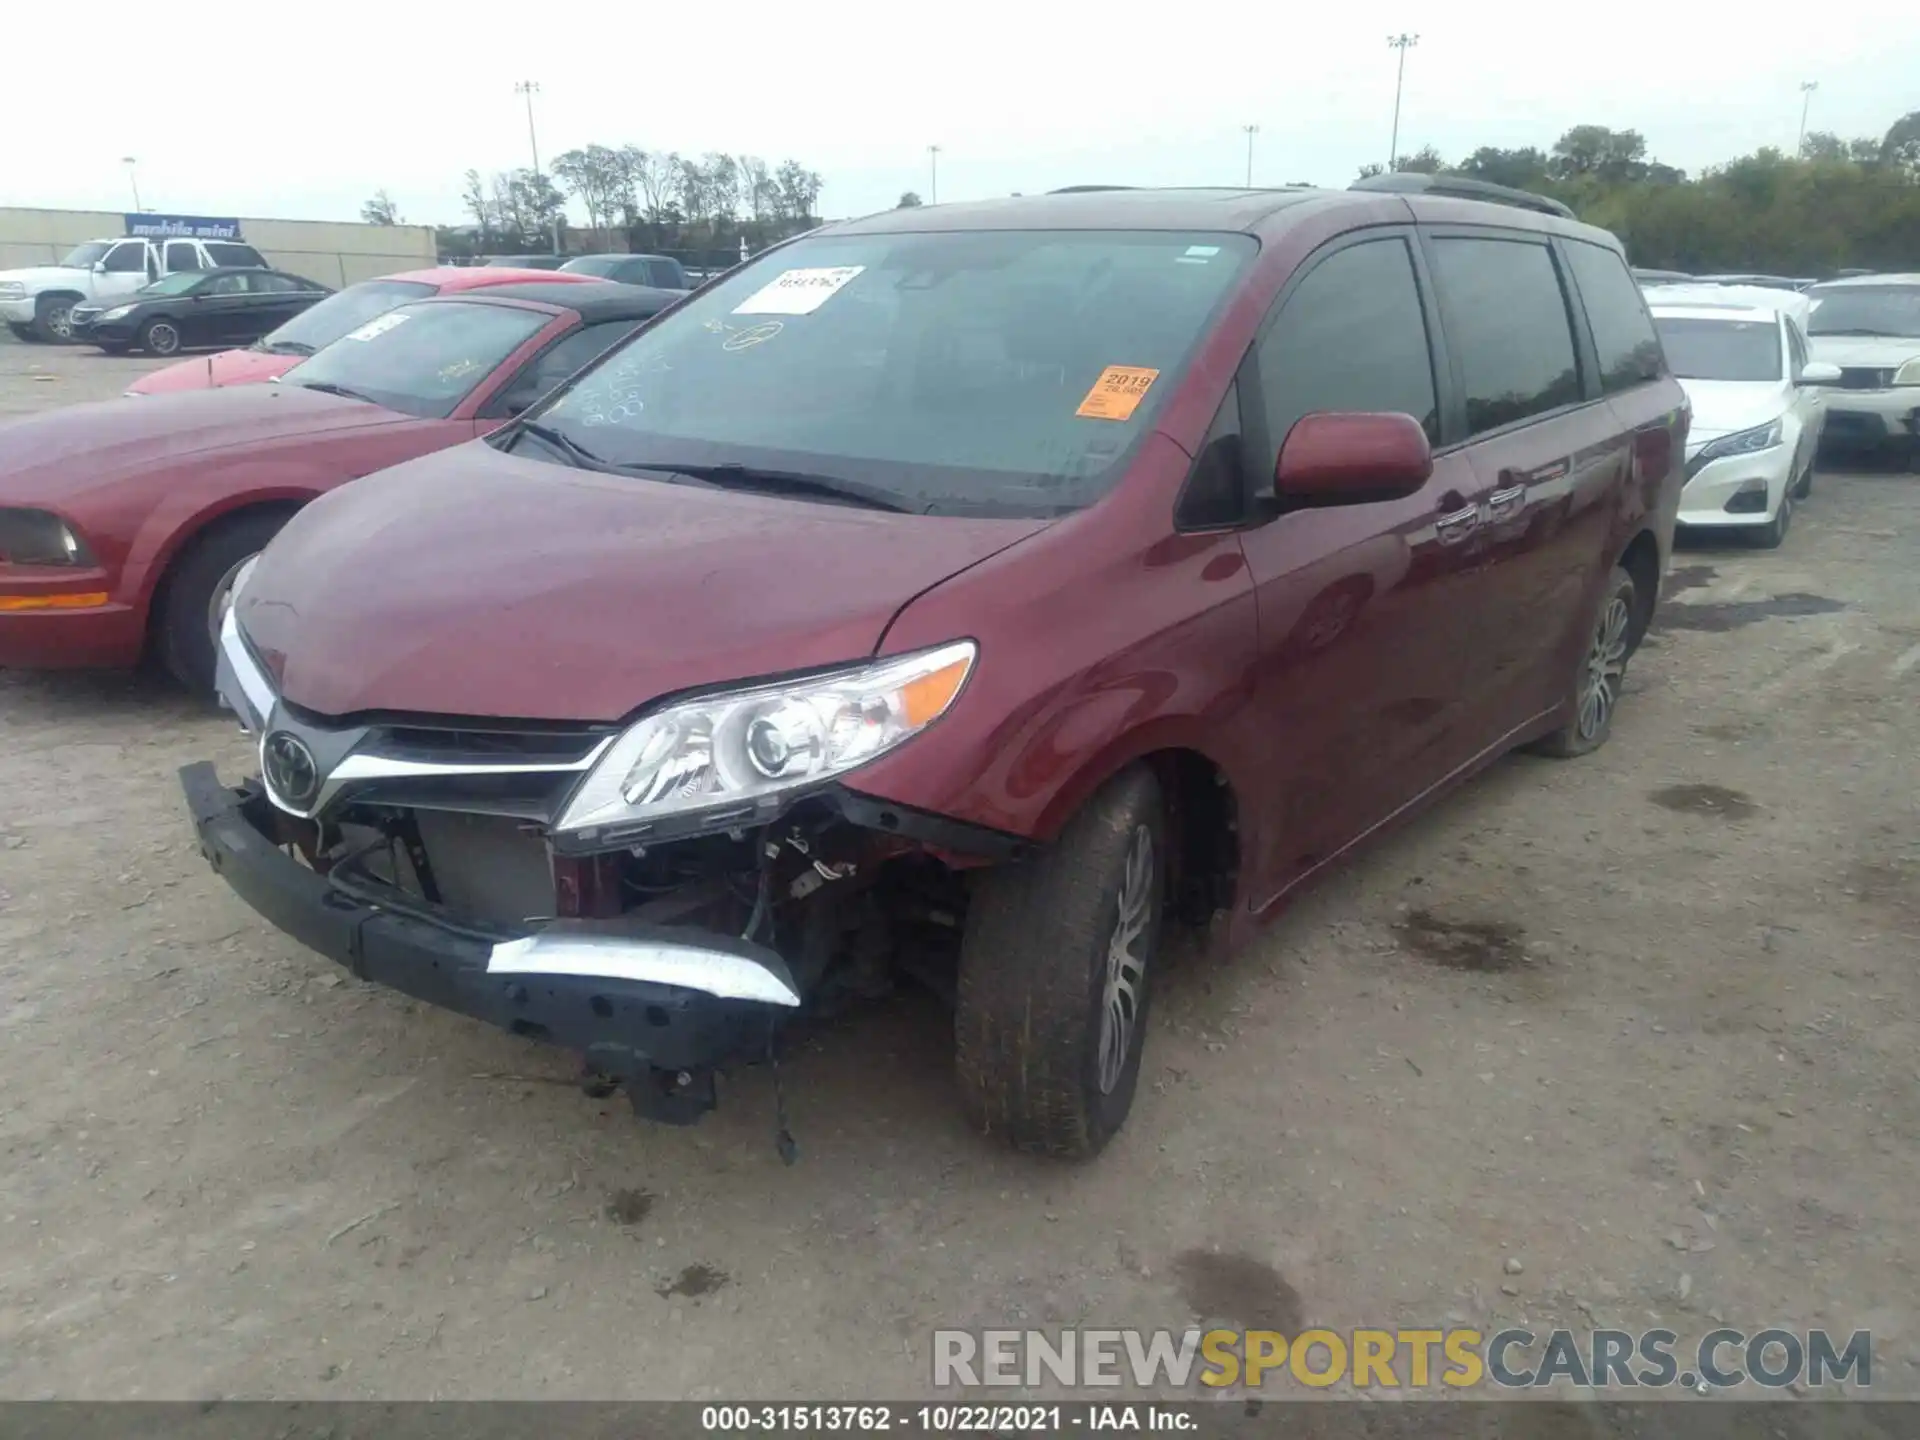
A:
(798, 292)
(1117, 393)
(379, 325)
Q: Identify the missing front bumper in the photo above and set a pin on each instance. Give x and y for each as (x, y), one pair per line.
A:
(656, 1008)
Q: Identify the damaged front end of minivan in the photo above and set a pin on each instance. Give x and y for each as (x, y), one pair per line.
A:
(661, 897)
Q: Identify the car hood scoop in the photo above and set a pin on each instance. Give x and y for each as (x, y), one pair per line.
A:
(475, 583)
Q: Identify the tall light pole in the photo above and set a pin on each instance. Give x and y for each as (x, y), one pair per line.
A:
(133, 179)
(933, 174)
(531, 88)
(1252, 130)
(1807, 87)
(1403, 43)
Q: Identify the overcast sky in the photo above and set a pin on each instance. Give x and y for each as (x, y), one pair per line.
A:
(304, 111)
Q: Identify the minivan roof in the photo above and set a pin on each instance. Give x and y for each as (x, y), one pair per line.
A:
(1196, 208)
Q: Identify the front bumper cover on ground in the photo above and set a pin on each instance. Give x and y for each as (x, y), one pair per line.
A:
(567, 985)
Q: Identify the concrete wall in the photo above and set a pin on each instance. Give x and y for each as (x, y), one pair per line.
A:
(333, 252)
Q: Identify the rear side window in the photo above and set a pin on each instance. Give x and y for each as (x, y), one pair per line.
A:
(1623, 334)
(1507, 325)
(183, 255)
(225, 253)
(1351, 336)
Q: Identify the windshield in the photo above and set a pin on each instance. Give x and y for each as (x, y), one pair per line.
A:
(1720, 349)
(339, 313)
(604, 265)
(85, 257)
(422, 359)
(990, 372)
(178, 283)
(1866, 310)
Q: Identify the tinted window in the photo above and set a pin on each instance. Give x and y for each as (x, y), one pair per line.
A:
(180, 283)
(607, 267)
(1721, 349)
(1005, 372)
(225, 285)
(1507, 325)
(1622, 331)
(124, 258)
(423, 359)
(1351, 336)
(226, 253)
(267, 283)
(182, 255)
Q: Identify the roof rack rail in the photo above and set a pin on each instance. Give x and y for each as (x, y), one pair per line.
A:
(1462, 187)
(1089, 189)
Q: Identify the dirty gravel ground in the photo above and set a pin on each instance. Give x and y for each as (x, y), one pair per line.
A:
(1645, 1022)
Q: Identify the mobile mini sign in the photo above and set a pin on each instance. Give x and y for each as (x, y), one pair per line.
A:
(182, 227)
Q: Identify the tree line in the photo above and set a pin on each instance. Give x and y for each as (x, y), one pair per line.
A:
(644, 200)
(1839, 204)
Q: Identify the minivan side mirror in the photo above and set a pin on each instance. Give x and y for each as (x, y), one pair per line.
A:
(1818, 372)
(1352, 458)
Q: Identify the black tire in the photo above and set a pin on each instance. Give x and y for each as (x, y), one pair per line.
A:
(159, 336)
(1583, 734)
(23, 332)
(1034, 977)
(53, 318)
(184, 633)
(1770, 535)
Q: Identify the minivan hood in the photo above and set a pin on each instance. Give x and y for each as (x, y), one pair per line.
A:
(476, 583)
(1721, 407)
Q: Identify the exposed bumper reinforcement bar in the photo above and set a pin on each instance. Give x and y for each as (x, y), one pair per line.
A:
(641, 1004)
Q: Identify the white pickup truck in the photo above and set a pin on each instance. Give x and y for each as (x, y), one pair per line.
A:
(37, 302)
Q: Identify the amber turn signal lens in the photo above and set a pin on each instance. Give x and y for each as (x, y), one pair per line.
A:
(924, 699)
(87, 600)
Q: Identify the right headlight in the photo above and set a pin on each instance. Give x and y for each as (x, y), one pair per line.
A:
(1909, 373)
(39, 537)
(742, 754)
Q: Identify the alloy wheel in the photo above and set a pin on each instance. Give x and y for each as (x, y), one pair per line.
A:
(60, 320)
(1606, 666)
(1126, 961)
(162, 338)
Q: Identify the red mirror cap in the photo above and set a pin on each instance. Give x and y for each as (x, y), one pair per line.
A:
(1353, 456)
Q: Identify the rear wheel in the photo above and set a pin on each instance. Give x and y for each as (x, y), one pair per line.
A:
(1603, 669)
(159, 337)
(195, 595)
(22, 332)
(1056, 968)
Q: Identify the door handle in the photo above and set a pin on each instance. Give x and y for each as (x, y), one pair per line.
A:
(1456, 525)
(1502, 503)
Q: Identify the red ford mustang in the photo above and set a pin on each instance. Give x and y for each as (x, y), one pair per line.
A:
(274, 354)
(123, 523)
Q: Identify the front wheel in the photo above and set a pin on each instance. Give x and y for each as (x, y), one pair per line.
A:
(196, 592)
(1056, 969)
(159, 337)
(1603, 670)
(53, 319)
(1771, 535)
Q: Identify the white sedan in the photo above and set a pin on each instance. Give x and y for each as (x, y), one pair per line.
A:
(1757, 406)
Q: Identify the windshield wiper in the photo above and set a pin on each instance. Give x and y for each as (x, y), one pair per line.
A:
(782, 482)
(1859, 330)
(328, 388)
(578, 454)
(284, 347)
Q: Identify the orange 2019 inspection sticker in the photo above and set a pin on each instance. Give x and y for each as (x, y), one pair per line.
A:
(1117, 393)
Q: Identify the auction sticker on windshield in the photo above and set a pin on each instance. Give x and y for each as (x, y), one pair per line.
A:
(379, 325)
(1117, 393)
(798, 292)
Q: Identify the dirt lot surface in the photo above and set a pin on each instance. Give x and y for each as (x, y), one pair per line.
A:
(1646, 1024)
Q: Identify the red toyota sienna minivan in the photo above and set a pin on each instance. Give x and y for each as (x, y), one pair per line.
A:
(962, 592)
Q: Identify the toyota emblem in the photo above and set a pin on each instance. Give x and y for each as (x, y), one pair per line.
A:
(290, 768)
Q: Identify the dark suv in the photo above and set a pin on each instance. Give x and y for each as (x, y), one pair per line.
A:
(958, 592)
